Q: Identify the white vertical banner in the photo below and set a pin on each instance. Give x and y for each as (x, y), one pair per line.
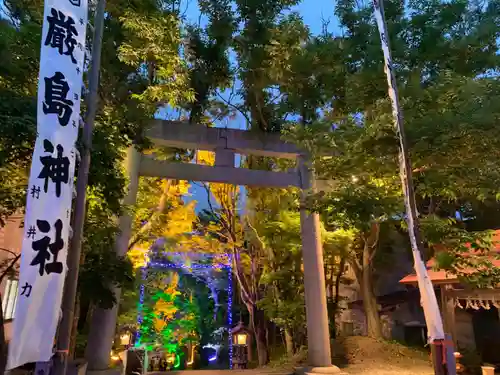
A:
(50, 190)
(428, 296)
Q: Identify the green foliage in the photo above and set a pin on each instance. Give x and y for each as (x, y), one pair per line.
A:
(466, 254)
(127, 315)
(427, 38)
(102, 269)
(449, 107)
(256, 53)
(282, 276)
(170, 316)
(275, 229)
(128, 99)
(152, 43)
(17, 112)
(208, 58)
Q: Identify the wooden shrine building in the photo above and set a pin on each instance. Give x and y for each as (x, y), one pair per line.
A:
(470, 315)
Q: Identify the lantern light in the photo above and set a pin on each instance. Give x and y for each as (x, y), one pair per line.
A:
(125, 339)
(114, 356)
(241, 339)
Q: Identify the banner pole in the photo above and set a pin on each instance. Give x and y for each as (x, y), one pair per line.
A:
(74, 254)
(427, 294)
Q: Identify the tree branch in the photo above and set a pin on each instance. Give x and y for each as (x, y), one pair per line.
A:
(9, 267)
(235, 107)
(338, 279)
(257, 236)
(9, 251)
(374, 244)
(152, 218)
(223, 220)
(243, 285)
(356, 268)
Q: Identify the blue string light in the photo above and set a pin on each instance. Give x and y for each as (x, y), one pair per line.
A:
(230, 312)
(218, 266)
(141, 303)
(187, 267)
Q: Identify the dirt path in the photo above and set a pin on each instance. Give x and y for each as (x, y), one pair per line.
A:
(366, 356)
(357, 369)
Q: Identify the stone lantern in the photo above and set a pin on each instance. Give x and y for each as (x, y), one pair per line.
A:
(241, 344)
(125, 338)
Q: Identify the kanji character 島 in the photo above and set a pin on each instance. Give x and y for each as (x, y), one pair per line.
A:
(56, 101)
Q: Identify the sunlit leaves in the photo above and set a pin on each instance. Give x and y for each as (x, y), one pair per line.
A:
(153, 45)
(170, 314)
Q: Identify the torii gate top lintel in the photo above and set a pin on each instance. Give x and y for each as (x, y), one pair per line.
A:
(226, 143)
(184, 135)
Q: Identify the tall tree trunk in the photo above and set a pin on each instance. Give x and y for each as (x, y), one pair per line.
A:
(162, 205)
(330, 273)
(260, 336)
(364, 276)
(74, 330)
(289, 343)
(374, 326)
(258, 327)
(335, 296)
(288, 335)
(338, 279)
(90, 311)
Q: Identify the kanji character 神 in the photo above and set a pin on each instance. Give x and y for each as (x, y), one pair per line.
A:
(56, 101)
(45, 248)
(62, 32)
(55, 169)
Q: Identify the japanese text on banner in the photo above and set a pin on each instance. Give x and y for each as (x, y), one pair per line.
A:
(50, 190)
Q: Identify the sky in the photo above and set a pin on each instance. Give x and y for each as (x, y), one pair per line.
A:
(313, 13)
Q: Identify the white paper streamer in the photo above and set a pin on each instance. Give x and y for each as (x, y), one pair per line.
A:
(429, 301)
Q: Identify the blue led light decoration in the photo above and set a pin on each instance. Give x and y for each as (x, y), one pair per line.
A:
(141, 303)
(219, 266)
(230, 310)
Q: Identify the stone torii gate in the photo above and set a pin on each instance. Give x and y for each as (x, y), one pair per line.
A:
(226, 143)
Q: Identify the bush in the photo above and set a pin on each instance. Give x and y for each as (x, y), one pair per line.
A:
(471, 360)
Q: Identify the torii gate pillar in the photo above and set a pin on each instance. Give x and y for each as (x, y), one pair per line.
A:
(227, 142)
(318, 333)
(103, 323)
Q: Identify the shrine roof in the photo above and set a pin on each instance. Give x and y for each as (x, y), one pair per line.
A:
(444, 277)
